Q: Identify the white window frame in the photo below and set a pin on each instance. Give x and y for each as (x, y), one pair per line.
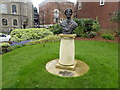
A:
(56, 10)
(79, 5)
(17, 22)
(56, 15)
(102, 2)
(7, 22)
(16, 8)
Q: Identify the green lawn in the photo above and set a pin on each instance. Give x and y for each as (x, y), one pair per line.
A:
(25, 67)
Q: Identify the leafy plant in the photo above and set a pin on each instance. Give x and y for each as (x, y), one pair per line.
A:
(87, 27)
(4, 44)
(108, 36)
(19, 35)
(78, 31)
(4, 48)
(90, 34)
(56, 29)
(116, 17)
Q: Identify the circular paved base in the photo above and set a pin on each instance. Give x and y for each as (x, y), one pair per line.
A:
(80, 69)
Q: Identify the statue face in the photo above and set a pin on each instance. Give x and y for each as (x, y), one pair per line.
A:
(68, 13)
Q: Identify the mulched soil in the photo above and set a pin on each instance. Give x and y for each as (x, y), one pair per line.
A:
(97, 38)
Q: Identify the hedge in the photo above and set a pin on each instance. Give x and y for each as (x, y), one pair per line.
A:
(19, 35)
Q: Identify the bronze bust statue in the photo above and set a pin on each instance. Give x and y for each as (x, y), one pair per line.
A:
(68, 25)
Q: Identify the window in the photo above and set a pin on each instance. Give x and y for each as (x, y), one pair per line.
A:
(102, 2)
(79, 5)
(14, 9)
(14, 22)
(56, 15)
(4, 22)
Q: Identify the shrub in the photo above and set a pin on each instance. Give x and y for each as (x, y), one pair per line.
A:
(78, 31)
(90, 34)
(51, 38)
(56, 29)
(87, 27)
(18, 35)
(4, 44)
(10, 42)
(4, 48)
(116, 17)
(108, 36)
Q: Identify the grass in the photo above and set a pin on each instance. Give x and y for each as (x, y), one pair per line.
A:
(25, 67)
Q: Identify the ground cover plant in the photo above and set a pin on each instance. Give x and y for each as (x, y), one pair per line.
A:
(25, 66)
(108, 36)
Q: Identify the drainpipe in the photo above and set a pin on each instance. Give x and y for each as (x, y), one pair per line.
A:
(20, 16)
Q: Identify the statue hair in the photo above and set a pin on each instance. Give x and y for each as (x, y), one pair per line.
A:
(68, 9)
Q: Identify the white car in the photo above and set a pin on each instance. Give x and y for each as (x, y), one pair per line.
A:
(4, 37)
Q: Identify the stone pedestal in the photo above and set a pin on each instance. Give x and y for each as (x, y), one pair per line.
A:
(67, 52)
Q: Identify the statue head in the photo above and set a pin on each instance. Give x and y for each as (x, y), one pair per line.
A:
(68, 13)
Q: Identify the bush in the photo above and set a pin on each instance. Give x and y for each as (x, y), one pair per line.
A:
(4, 48)
(116, 17)
(4, 44)
(87, 27)
(51, 38)
(18, 35)
(78, 31)
(108, 36)
(90, 34)
(56, 29)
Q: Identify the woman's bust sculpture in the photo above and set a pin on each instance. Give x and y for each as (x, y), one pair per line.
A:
(68, 25)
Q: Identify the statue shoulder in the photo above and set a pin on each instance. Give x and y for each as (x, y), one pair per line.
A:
(74, 22)
(63, 22)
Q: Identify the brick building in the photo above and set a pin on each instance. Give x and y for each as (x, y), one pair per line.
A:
(104, 11)
(53, 12)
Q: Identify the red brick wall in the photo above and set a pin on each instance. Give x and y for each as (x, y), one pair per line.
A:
(104, 13)
(48, 9)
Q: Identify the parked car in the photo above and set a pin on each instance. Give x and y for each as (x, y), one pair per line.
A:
(4, 37)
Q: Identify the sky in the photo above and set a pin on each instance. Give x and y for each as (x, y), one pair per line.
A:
(36, 2)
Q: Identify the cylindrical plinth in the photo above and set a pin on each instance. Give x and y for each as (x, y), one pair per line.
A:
(67, 51)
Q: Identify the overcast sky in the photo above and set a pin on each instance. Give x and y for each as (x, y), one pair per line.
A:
(36, 2)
